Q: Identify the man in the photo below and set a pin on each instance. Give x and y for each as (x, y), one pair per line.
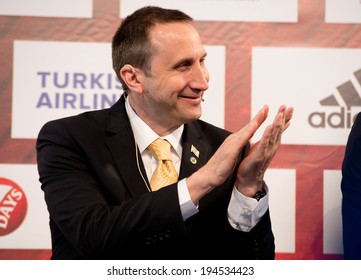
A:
(96, 168)
(351, 193)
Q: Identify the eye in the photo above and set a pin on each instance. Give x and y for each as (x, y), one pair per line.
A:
(183, 66)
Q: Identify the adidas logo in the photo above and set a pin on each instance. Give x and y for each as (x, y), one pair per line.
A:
(342, 118)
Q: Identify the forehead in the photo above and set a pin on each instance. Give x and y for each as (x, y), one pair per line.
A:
(176, 38)
(172, 28)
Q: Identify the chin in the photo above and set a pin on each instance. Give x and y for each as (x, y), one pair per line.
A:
(192, 117)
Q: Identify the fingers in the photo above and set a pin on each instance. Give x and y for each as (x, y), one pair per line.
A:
(224, 160)
(278, 126)
(282, 120)
(288, 117)
(249, 130)
(272, 135)
(261, 116)
(251, 171)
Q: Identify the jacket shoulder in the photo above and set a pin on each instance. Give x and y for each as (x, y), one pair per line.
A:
(209, 130)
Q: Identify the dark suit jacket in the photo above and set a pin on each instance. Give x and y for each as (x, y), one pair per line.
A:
(351, 193)
(100, 208)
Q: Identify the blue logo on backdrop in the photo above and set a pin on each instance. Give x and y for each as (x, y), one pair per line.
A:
(89, 91)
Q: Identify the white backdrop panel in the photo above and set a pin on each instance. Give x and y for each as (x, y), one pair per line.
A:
(224, 10)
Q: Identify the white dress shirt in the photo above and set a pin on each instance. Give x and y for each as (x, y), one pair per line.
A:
(243, 212)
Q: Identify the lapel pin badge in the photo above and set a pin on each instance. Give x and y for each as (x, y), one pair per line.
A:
(193, 160)
(195, 151)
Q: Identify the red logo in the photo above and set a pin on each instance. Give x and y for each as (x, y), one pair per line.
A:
(13, 206)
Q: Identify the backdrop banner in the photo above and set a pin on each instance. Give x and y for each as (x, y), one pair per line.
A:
(56, 62)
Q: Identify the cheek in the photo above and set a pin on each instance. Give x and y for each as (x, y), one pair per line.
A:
(179, 83)
(173, 86)
(166, 86)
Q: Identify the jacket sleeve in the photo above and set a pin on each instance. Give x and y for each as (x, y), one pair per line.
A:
(351, 193)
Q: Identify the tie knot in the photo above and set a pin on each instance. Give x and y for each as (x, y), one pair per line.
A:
(160, 149)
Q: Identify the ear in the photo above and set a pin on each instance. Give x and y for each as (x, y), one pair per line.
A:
(132, 77)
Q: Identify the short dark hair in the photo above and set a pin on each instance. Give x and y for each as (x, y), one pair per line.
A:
(131, 43)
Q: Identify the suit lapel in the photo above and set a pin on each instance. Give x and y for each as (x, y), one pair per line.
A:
(122, 146)
(195, 152)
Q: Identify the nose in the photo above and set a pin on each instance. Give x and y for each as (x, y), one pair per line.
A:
(200, 78)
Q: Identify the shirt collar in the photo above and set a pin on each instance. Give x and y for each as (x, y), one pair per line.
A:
(144, 135)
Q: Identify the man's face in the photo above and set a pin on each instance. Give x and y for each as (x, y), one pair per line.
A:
(178, 76)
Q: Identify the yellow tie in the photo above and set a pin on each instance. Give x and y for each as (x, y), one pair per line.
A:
(165, 173)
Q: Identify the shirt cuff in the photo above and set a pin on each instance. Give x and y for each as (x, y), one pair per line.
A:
(245, 212)
(187, 206)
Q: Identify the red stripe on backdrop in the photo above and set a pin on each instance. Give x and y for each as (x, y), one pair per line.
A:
(309, 163)
(25, 254)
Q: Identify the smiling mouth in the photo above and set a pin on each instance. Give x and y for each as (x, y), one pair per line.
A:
(191, 97)
(196, 97)
(195, 100)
